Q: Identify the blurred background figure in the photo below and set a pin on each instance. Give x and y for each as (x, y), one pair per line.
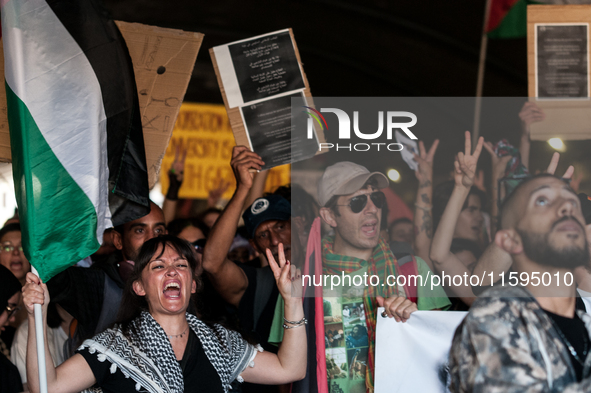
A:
(10, 298)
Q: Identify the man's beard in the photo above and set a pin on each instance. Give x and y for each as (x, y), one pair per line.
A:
(537, 248)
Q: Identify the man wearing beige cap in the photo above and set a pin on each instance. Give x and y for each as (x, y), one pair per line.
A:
(352, 205)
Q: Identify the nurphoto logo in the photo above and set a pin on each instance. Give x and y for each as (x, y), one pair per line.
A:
(395, 120)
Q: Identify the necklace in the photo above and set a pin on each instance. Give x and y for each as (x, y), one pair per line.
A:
(178, 335)
(571, 349)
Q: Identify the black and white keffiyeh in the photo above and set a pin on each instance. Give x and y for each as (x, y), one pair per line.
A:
(147, 356)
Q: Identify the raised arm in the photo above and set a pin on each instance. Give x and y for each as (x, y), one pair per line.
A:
(74, 374)
(257, 189)
(176, 175)
(229, 280)
(493, 262)
(498, 165)
(530, 113)
(289, 364)
(423, 219)
(214, 196)
(443, 259)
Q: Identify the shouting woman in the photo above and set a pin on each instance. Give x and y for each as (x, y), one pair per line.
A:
(158, 346)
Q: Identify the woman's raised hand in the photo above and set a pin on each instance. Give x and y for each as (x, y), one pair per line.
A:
(465, 163)
(287, 277)
(425, 160)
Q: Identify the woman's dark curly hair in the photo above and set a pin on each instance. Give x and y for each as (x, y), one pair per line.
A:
(132, 304)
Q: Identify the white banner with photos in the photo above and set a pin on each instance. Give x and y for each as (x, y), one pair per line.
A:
(412, 356)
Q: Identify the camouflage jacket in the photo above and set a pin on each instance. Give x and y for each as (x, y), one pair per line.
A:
(507, 343)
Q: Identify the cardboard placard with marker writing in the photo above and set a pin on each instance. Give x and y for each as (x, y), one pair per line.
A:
(204, 131)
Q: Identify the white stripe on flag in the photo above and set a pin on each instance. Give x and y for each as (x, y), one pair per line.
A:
(52, 76)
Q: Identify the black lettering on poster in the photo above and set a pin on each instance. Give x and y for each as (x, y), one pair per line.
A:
(266, 66)
(269, 126)
(563, 69)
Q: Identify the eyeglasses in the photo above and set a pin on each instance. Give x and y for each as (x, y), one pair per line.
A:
(11, 309)
(358, 203)
(10, 248)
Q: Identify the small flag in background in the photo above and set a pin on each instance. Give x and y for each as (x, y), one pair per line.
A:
(75, 129)
(508, 18)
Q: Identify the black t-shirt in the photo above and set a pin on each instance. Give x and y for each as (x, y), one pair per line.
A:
(10, 379)
(80, 291)
(577, 335)
(212, 308)
(258, 331)
(198, 372)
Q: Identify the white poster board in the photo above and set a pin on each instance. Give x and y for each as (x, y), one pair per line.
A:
(412, 356)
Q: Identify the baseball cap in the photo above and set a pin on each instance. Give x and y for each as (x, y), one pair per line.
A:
(272, 207)
(344, 178)
(585, 207)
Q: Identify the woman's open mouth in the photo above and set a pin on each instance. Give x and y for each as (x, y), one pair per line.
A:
(172, 289)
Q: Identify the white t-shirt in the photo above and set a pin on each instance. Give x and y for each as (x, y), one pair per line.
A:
(56, 338)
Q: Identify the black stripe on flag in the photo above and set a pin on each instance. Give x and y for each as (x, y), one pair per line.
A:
(98, 36)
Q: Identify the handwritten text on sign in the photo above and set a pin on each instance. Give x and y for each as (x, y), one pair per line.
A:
(204, 131)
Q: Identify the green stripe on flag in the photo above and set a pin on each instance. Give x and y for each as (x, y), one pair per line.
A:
(514, 24)
(53, 237)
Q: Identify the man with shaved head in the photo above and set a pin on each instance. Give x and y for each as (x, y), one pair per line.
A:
(527, 335)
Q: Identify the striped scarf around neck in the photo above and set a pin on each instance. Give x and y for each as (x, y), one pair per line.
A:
(382, 263)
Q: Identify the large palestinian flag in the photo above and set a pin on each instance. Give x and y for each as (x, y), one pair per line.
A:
(75, 128)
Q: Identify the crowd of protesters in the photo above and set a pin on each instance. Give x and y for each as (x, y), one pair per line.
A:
(215, 302)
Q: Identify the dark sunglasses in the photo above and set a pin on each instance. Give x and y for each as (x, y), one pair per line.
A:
(199, 245)
(358, 203)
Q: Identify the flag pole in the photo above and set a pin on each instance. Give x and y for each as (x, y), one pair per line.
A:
(480, 78)
(41, 366)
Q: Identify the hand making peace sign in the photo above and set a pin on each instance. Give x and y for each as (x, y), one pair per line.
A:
(465, 163)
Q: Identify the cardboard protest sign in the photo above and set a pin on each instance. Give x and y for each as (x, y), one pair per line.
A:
(204, 131)
(259, 77)
(559, 73)
(412, 356)
(163, 60)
